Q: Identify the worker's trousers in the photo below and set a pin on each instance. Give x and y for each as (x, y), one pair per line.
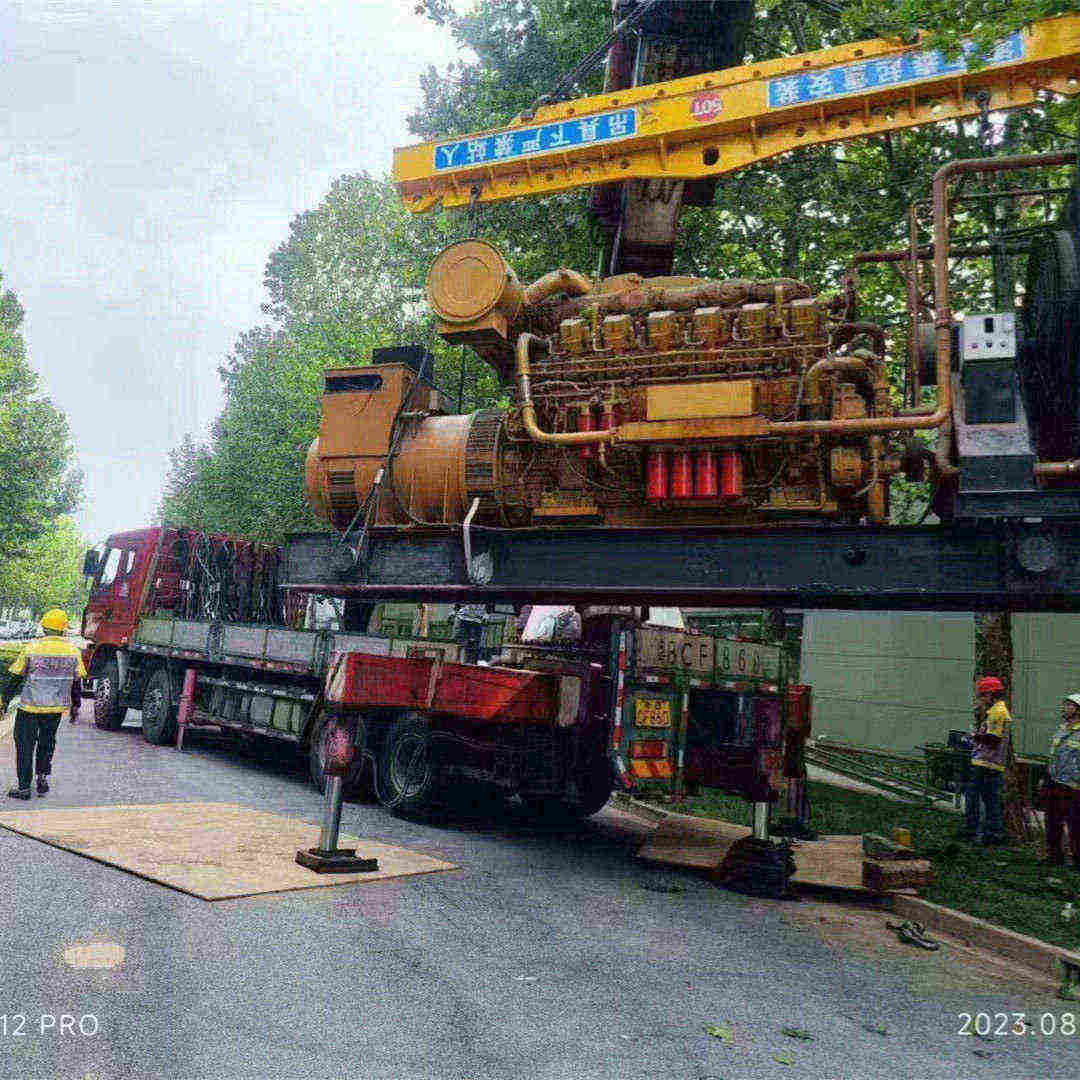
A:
(34, 731)
(1062, 809)
(984, 793)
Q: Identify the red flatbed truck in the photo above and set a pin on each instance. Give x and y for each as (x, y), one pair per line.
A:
(540, 735)
(631, 705)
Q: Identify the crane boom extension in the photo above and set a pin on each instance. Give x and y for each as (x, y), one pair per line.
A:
(708, 125)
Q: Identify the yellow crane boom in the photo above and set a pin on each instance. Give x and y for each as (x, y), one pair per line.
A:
(707, 125)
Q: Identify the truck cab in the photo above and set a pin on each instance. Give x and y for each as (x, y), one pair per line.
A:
(118, 569)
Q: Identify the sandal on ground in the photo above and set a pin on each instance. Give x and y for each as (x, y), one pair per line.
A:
(914, 933)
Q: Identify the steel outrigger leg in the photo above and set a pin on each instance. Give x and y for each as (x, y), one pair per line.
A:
(328, 858)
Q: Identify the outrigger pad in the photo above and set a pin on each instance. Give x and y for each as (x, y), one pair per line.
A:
(338, 861)
(216, 851)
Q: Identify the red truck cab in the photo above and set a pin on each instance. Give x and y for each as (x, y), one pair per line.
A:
(118, 570)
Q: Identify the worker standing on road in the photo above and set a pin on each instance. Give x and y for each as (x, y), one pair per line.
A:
(992, 738)
(1062, 793)
(46, 675)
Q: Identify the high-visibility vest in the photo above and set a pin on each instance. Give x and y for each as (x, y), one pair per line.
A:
(48, 666)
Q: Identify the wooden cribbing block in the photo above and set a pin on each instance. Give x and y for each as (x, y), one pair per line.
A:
(879, 847)
(888, 875)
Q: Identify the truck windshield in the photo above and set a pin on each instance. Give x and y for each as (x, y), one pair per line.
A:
(109, 568)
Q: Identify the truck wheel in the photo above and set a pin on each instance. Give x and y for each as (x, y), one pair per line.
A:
(108, 713)
(408, 770)
(158, 714)
(594, 787)
(358, 784)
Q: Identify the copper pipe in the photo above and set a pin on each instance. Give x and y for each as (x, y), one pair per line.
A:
(843, 333)
(915, 383)
(941, 452)
(942, 319)
(528, 410)
(924, 253)
(943, 312)
(557, 281)
(835, 363)
(728, 293)
(1056, 469)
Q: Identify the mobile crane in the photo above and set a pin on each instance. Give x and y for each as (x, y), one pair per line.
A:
(681, 439)
(672, 439)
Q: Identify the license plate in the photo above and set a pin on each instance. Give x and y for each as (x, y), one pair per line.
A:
(746, 660)
(652, 712)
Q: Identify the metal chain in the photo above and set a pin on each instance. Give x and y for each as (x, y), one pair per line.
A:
(472, 226)
(982, 99)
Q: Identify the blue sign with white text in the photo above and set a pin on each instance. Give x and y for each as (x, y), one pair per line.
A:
(887, 71)
(524, 142)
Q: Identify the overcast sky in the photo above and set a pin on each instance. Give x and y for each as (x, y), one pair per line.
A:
(152, 154)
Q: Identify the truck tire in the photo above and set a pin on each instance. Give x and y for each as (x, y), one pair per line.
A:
(158, 713)
(108, 712)
(594, 787)
(358, 784)
(408, 775)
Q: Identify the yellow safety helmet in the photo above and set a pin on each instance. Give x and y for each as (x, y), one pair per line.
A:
(55, 620)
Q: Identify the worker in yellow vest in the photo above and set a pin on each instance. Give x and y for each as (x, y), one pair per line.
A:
(46, 676)
(993, 742)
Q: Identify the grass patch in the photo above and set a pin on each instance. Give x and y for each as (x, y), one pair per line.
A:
(1008, 886)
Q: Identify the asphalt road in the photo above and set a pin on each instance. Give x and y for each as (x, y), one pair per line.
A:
(549, 954)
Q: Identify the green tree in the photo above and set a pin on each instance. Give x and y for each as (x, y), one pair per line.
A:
(350, 274)
(248, 480)
(49, 572)
(39, 481)
(947, 22)
(348, 278)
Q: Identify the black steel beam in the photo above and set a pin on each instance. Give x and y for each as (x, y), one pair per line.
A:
(980, 566)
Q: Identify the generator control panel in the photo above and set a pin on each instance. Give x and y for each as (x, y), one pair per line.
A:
(988, 337)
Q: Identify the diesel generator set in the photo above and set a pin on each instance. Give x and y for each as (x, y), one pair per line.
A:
(635, 401)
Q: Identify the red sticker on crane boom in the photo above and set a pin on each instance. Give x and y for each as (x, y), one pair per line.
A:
(706, 106)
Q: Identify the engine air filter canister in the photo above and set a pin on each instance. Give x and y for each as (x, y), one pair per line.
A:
(705, 475)
(656, 476)
(470, 280)
(682, 474)
(731, 474)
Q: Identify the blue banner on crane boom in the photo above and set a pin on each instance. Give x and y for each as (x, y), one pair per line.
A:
(544, 138)
(884, 71)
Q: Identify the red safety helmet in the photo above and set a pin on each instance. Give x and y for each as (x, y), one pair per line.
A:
(990, 685)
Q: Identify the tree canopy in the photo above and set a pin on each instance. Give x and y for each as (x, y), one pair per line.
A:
(36, 455)
(350, 274)
(48, 574)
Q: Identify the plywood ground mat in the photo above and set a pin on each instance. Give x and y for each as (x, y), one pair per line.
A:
(215, 851)
(833, 862)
